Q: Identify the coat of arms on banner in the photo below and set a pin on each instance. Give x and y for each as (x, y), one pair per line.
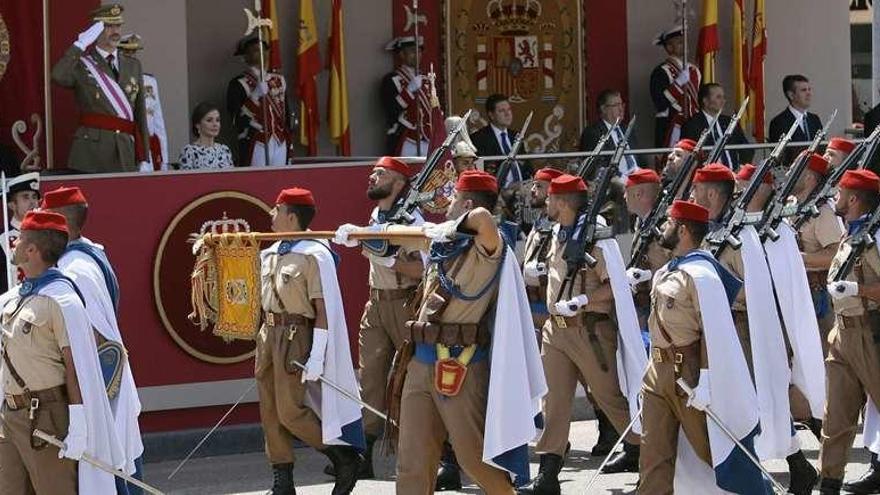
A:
(529, 50)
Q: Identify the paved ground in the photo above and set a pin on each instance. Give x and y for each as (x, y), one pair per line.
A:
(248, 474)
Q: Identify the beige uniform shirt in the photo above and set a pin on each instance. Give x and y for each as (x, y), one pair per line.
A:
(866, 271)
(384, 278)
(33, 337)
(585, 282)
(675, 306)
(470, 272)
(296, 280)
(820, 232)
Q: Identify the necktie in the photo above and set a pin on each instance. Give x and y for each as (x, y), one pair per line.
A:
(806, 127)
(629, 159)
(505, 144)
(110, 59)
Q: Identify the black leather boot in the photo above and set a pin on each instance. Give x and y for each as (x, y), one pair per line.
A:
(282, 483)
(830, 486)
(607, 436)
(626, 461)
(547, 480)
(869, 482)
(346, 464)
(815, 425)
(803, 475)
(449, 474)
(366, 472)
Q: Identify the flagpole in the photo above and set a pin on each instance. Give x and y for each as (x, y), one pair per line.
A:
(47, 89)
(419, 126)
(263, 100)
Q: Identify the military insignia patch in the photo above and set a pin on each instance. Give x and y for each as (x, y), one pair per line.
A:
(111, 355)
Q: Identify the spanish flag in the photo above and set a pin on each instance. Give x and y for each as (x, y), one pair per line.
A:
(756, 70)
(308, 64)
(337, 100)
(708, 44)
(740, 59)
(272, 35)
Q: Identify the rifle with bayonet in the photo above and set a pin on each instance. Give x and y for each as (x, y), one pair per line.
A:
(820, 195)
(586, 229)
(775, 210)
(402, 211)
(591, 162)
(510, 160)
(649, 229)
(734, 219)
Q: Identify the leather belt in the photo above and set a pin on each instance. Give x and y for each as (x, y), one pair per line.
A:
(673, 354)
(107, 123)
(14, 402)
(284, 319)
(449, 334)
(579, 321)
(391, 294)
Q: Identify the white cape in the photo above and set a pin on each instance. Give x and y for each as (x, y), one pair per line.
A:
(126, 406)
(769, 357)
(102, 443)
(792, 289)
(516, 373)
(732, 395)
(335, 410)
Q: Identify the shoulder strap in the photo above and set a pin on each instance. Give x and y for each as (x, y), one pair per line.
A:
(14, 373)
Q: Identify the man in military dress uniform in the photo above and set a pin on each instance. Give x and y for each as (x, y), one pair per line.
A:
(406, 100)
(259, 108)
(109, 88)
(50, 378)
(674, 86)
(22, 196)
(853, 362)
(295, 328)
(157, 147)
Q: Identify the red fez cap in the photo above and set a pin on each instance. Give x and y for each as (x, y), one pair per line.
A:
(860, 179)
(547, 174)
(642, 176)
(748, 170)
(395, 165)
(714, 172)
(841, 144)
(63, 196)
(295, 196)
(476, 180)
(44, 220)
(565, 184)
(688, 210)
(686, 144)
(818, 164)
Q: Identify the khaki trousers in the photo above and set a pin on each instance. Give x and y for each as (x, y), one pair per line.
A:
(664, 411)
(382, 333)
(852, 371)
(283, 412)
(24, 470)
(427, 418)
(568, 358)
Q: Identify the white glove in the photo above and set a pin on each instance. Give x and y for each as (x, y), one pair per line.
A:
(683, 77)
(342, 234)
(76, 440)
(844, 288)
(700, 399)
(261, 90)
(145, 167)
(315, 364)
(534, 269)
(440, 231)
(415, 83)
(386, 261)
(89, 36)
(570, 308)
(637, 276)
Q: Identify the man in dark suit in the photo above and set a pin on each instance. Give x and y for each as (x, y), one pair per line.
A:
(497, 138)
(611, 108)
(799, 94)
(712, 99)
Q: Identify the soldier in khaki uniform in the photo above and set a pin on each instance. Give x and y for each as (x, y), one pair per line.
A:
(113, 132)
(579, 345)
(853, 362)
(536, 247)
(294, 329)
(642, 190)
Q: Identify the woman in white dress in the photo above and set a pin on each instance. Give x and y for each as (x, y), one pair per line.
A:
(205, 152)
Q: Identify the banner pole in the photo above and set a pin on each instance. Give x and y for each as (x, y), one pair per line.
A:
(47, 89)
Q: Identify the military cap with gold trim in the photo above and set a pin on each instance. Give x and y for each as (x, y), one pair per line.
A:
(110, 14)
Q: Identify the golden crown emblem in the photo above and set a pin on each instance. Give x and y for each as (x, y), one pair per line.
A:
(514, 16)
(225, 226)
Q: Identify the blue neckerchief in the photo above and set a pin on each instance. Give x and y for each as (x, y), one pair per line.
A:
(564, 233)
(287, 246)
(856, 225)
(32, 286)
(509, 232)
(100, 259)
(732, 284)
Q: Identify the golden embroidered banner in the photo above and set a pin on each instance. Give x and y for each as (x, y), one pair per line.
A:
(530, 50)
